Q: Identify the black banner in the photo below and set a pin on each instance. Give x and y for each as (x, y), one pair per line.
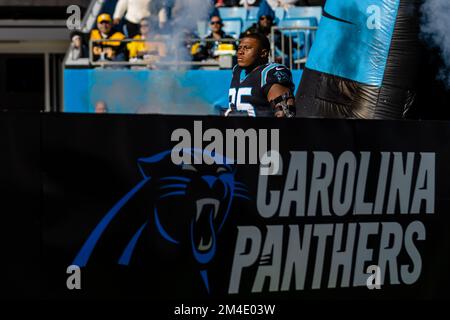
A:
(100, 207)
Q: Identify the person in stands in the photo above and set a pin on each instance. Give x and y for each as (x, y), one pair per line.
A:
(150, 50)
(111, 48)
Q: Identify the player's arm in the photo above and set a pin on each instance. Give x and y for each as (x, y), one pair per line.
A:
(281, 100)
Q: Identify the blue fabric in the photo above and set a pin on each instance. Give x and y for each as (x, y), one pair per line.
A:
(265, 10)
(213, 11)
(109, 7)
(202, 92)
(351, 49)
(76, 90)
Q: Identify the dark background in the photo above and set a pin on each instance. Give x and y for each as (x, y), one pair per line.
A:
(58, 184)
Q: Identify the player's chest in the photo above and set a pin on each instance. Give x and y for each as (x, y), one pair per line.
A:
(249, 85)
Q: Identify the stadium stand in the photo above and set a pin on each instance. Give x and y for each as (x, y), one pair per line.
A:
(301, 38)
(252, 13)
(304, 12)
(233, 12)
(299, 22)
(280, 13)
(248, 23)
(81, 97)
(285, 18)
(236, 20)
(233, 26)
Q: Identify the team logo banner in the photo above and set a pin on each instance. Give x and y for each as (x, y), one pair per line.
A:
(184, 207)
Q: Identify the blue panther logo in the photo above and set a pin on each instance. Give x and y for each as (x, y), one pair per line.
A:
(282, 76)
(204, 192)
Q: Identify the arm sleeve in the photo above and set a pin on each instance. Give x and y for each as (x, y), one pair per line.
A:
(121, 8)
(278, 74)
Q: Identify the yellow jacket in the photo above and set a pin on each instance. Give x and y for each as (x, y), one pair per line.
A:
(96, 35)
(155, 48)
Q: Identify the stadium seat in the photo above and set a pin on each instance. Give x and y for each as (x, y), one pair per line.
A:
(252, 13)
(248, 23)
(280, 14)
(298, 22)
(233, 26)
(233, 12)
(304, 12)
(303, 37)
(298, 47)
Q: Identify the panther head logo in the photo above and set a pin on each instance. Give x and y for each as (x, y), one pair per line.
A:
(199, 197)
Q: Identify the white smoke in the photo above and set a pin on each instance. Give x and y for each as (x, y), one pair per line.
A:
(436, 30)
(187, 16)
(188, 12)
(168, 94)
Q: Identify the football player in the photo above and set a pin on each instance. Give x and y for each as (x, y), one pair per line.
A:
(259, 88)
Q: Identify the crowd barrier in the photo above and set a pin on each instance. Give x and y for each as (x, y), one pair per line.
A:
(200, 92)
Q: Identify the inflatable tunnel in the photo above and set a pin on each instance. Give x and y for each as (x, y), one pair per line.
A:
(363, 63)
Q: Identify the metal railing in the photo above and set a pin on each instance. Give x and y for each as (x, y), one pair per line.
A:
(294, 53)
(178, 55)
(291, 49)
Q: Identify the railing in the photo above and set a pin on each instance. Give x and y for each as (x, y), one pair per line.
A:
(178, 56)
(294, 53)
(292, 50)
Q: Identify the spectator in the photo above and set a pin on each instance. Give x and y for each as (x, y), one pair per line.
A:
(101, 107)
(161, 7)
(79, 48)
(266, 19)
(136, 10)
(149, 51)
(207, 51)
(107, 50)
